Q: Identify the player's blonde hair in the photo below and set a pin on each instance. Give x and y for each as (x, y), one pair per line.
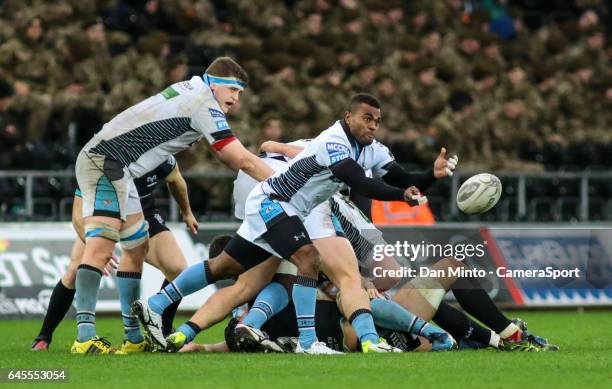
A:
(227, 67)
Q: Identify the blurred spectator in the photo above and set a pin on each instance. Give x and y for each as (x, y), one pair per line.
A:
(271, 128)
(538, 68)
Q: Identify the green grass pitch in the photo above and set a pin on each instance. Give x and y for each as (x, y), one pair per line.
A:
(585, 361)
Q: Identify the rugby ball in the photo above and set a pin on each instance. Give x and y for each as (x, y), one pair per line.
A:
(479, 193)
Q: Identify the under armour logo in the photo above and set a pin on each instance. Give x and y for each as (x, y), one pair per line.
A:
(299, 236)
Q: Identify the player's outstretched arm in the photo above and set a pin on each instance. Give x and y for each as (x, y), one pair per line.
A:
(236, 156)
(271, 146)
(178, 188)
(397, 176)
(349, 172)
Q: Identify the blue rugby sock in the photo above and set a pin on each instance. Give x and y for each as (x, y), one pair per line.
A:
(305, 300)
(391, 315)
(191, 280)
(363, 323)
(271, 300)
(190, 329)
(129, 291)
(87, 285)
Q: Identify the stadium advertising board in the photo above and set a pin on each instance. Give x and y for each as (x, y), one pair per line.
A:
(557, 266)
(33, 257)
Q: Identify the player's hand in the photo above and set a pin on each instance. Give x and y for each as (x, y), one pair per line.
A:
(375, 294)
(413, 196)
(111, 266)
(368, 285)
(191, 223)
(268, 146)
(444, 167)
(193, 347)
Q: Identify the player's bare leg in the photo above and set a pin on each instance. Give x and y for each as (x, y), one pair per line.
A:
(339, 263)
(220, 304)
(134, 244)
(191, 280)
(166, 255)
(102, 233)
(248, 284)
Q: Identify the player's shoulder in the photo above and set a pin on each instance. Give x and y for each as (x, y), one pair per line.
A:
(195, 93)
(333, 134)
(194, 85)
(380, 148)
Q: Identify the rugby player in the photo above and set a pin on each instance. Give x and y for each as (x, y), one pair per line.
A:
(131, 144)
(276, 208)
(363, 235)
(164, 254)
(405, 331)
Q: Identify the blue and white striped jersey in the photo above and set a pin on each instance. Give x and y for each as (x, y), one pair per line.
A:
(308, 181)
(244, 184)
(143, 136)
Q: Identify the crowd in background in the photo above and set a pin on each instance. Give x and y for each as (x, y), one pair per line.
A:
(508, 85)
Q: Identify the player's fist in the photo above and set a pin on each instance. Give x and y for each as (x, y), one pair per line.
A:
(413, 196)
(444, 167)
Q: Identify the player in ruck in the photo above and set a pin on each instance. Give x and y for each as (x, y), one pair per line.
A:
(131, 144)
(276, 208)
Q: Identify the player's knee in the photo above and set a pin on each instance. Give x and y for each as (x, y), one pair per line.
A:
(135, 236)
(222, 267)
(307, 260)
(171, 271)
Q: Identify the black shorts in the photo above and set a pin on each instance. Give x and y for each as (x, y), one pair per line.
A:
(157, 224)
(286, 235)
(246, 253)
(327, 324)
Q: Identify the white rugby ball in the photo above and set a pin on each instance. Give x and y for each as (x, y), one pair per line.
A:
(479, 193)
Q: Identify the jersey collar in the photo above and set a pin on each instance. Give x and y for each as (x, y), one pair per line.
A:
(356, 145)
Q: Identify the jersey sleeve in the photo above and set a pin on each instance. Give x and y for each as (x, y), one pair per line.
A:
(382, 157)
(211, 122)
(167, 167)
(332, 149)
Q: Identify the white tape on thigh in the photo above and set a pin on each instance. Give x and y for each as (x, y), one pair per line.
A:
(135, 235)
(286, 267)
(430, 289)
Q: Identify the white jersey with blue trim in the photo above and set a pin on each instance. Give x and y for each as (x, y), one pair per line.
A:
(308, 181)
(144, 135)
(244, 184)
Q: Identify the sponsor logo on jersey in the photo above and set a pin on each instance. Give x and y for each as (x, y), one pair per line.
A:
(337, 151)
(216, 113)
(169, 93)
(222, 125)
(151, 180)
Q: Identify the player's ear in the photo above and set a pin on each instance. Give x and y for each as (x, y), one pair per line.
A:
(347, 117)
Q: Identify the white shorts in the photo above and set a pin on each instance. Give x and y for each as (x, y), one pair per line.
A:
(321, 223)
(259, 210)
(106, 187)
(357, 228)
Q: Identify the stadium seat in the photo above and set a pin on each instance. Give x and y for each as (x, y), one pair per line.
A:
(540, 209)
(566, 209)
(65, 208)
(44, 208)
(597, 209)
